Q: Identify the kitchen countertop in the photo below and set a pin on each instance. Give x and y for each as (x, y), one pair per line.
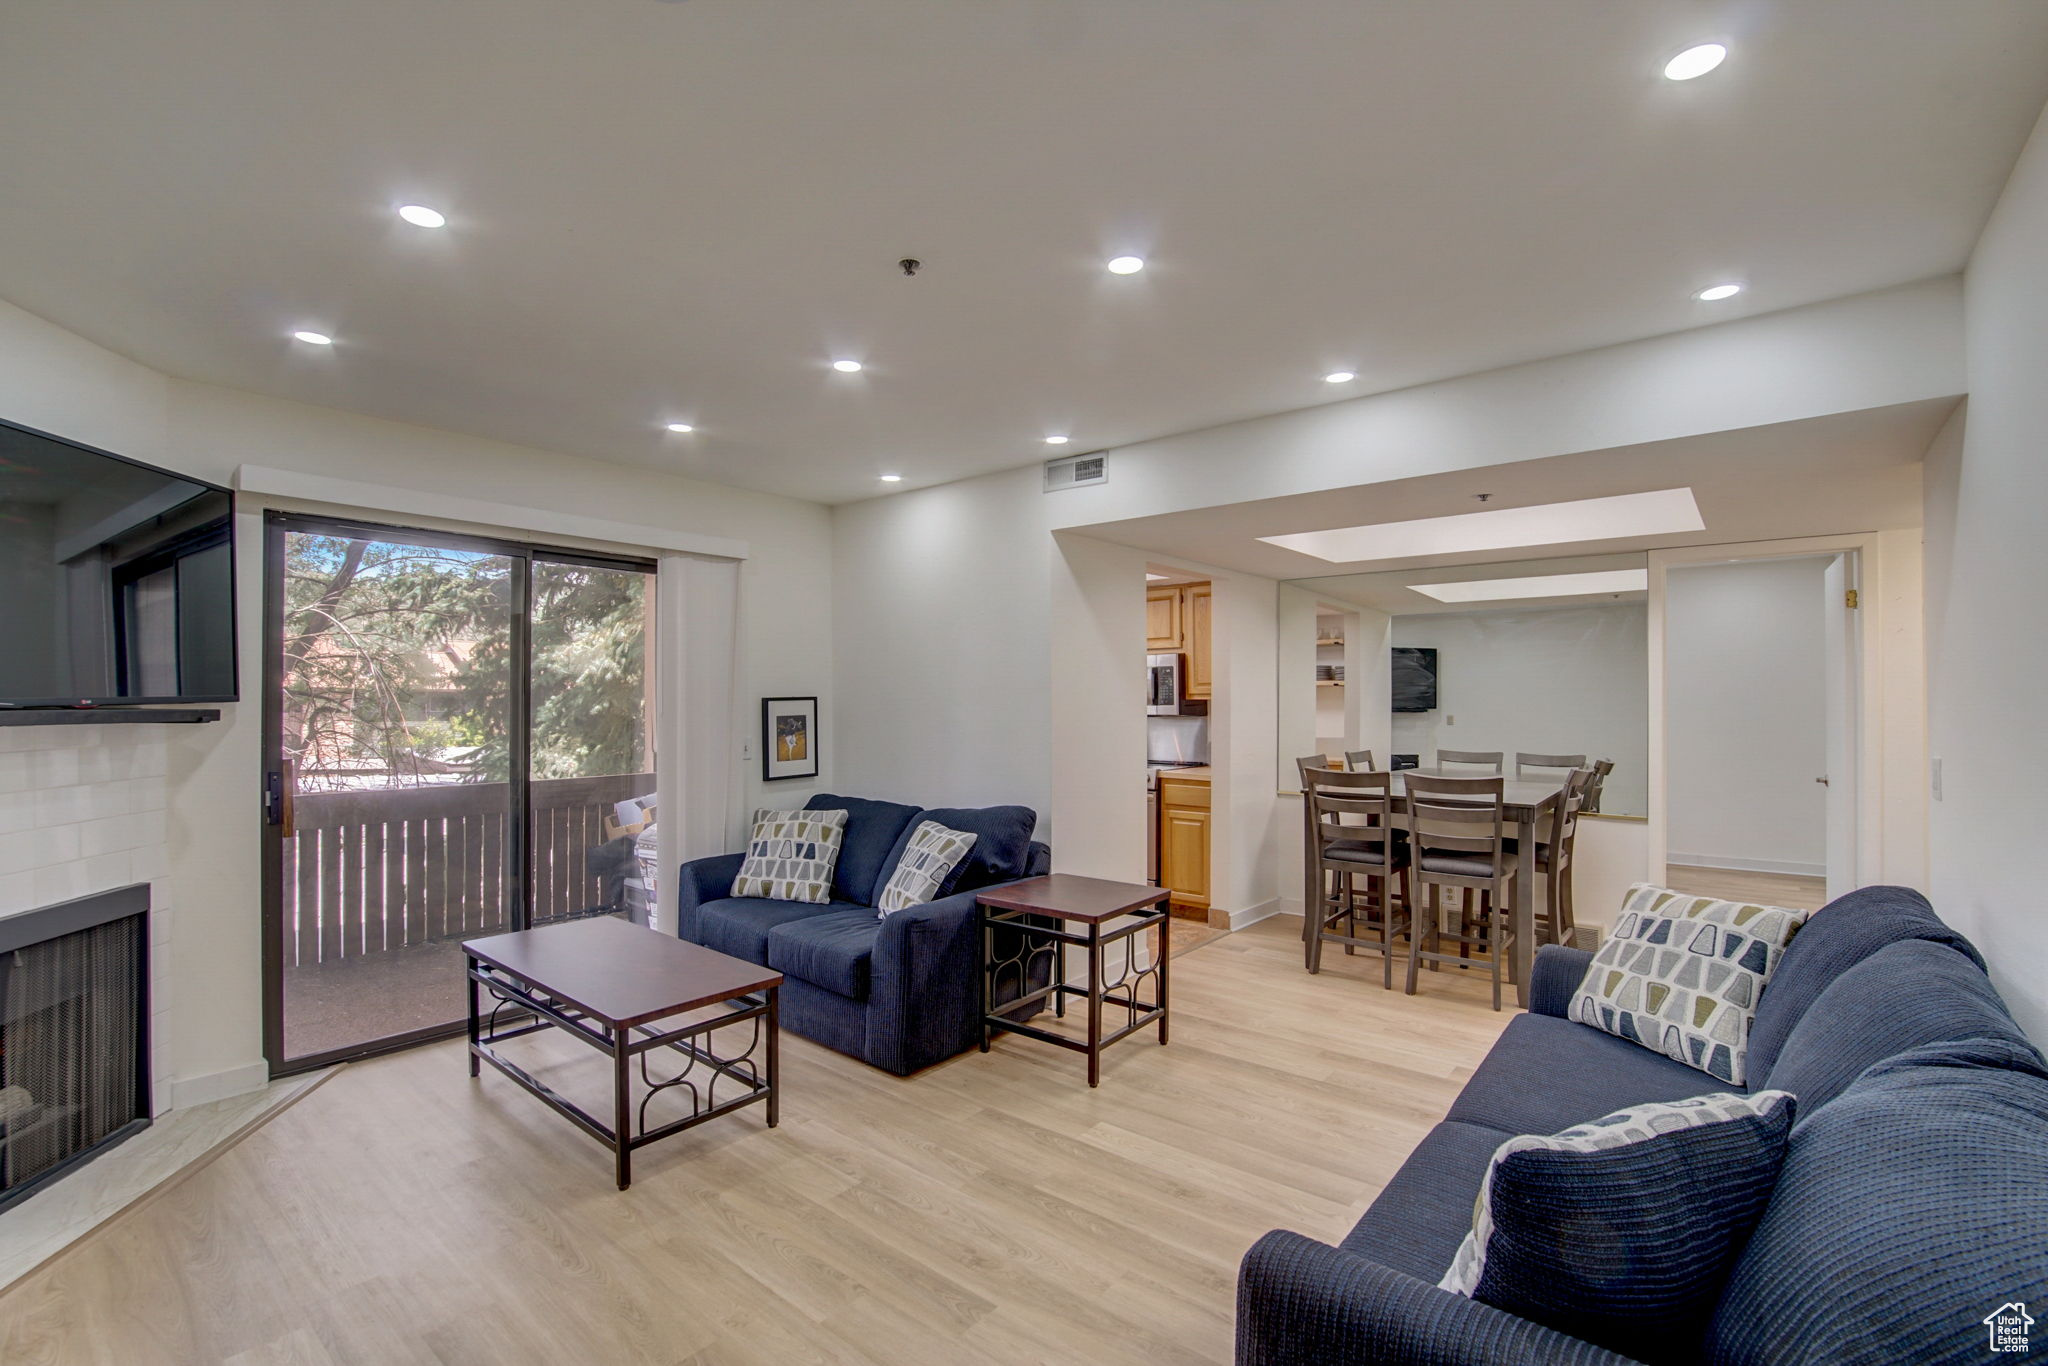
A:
(1198, 774)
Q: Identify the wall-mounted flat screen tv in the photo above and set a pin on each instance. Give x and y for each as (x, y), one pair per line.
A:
(117, 579)
(1414, 678)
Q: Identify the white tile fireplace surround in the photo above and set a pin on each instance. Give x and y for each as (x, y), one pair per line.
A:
(82, 810)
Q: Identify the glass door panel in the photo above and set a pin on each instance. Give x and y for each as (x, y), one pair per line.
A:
(392, 698)
(591, 757)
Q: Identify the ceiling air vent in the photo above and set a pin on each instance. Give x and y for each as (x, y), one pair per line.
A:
(1071, 472)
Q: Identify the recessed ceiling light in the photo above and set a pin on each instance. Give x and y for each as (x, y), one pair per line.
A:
(1150, 577)
(1126, 265)
(1056, 440)
(681, 427)
(420, 216)
(846, 367)
(313, 338)
(1587, 519)
(1339, 377)
(1540, 586)
(890, 478)
(1695, 61)
(1716, 292)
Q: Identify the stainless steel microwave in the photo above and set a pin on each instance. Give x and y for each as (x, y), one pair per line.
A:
(1163, 695)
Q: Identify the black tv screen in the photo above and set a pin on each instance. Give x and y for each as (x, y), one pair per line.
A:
(117, 580)
(1414, 678)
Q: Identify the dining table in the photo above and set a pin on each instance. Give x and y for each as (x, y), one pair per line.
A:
(1525, 803)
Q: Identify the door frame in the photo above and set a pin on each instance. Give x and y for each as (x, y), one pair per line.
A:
(1890, 740)
(519, 824)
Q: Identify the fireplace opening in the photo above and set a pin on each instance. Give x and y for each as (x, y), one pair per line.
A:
(74, 1035)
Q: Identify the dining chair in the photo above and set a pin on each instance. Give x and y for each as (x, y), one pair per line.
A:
(1601, 768)
(1484, 758)
(1526, 762)
(1359, 760)
(1457, 837)
(1357, 837)
(1556, 841)
(1312, 876)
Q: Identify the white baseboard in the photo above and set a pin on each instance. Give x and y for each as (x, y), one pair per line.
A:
(1752, 865)
(236, 1081)
(1252, 915)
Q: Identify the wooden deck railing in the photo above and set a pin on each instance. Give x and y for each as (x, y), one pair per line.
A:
(372, 871)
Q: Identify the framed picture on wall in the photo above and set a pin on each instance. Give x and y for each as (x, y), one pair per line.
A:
(789, 738)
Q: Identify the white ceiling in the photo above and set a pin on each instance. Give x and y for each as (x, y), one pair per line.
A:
(1392, 592)
(1856, 471)
(667, 211)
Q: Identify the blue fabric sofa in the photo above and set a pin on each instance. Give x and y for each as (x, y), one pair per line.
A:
(1913, 1200)
(899, 992)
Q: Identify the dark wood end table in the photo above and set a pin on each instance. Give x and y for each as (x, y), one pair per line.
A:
(1086, 904)
(610, 983)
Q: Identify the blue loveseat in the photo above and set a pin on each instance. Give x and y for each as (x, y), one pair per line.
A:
(899, 992)
(1913, 1200)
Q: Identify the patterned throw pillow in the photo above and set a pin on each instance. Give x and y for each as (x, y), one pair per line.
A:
(790, 855)
(1682, 974)
(1624, 1231)
(932, 853)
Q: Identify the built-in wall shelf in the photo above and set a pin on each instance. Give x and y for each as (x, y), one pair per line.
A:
(1332, 640)
(111, 716)
(1329, 682)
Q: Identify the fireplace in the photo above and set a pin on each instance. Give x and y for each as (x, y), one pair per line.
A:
(74, 1035)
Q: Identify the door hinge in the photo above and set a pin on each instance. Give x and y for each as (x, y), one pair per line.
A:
(1850, 599)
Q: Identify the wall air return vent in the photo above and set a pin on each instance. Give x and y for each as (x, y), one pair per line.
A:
(1073, 471)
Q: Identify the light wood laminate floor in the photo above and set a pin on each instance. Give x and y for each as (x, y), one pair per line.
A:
(1771, 889)
(992, 1210)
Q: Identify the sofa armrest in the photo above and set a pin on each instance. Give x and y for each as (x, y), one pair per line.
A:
(1554, 978)
(699, 881)
(924, 997)
(1303, 1303)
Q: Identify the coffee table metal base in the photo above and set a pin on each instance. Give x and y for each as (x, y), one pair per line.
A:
(537, 1011)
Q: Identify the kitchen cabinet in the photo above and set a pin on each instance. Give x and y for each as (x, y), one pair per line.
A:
(1195, 622)
(1184, 840)
(1164, 634)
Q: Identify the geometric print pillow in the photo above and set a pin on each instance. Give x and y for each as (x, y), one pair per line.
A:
(1624, 1231)
(1682, 974)
(931, 854)
(790, 855)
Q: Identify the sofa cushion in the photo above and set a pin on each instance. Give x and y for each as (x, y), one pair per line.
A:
(832, 951)
(1683, 974)
(866, 854)
(1908, 1210)
(1622, 1231)
(1905, 996)
(927, 855)
(1834, 939)
(739, 925)
(1547, 1074)
(1418, 1221)
(790, 855)
(1002, 845)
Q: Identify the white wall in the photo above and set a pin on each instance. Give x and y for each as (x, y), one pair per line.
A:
(1984, 608)
(1747, 710)
(54, 380)
(1570, 680)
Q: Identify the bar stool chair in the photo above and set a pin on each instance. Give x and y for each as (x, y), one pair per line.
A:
(1357, 837)
(1556, 839)
(1601, 768)
(1482, 758)
(1525, 762)
(1312, 876)
(1359, 761)
(1457, 837)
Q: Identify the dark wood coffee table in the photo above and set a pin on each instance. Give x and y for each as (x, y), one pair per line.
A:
(610, 983)
(1022, 908)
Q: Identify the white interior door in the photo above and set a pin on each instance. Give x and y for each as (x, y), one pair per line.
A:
(1844, 721)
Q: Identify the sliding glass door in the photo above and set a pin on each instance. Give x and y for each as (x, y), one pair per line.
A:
(456, 744)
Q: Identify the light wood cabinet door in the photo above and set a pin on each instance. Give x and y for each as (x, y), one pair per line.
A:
(1195, 622)
(1163, 633)
(1184, 855)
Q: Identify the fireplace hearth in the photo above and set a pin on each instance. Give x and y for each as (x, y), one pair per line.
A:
(74, 1035)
